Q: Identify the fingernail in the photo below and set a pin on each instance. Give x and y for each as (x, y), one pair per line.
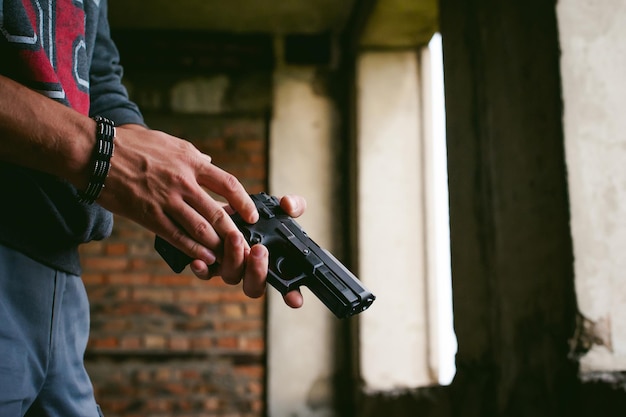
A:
(294, 204)
(208, 257)
(257, 251)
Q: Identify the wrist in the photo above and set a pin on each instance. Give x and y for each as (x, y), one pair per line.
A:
(100, 162)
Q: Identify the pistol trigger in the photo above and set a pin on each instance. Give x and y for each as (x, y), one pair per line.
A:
(255, 238)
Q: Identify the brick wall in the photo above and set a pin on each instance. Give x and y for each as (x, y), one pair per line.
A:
(164, 344)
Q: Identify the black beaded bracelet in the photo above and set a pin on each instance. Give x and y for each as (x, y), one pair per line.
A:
(102, 153)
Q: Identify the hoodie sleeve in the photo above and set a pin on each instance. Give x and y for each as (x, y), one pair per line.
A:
(108, 95)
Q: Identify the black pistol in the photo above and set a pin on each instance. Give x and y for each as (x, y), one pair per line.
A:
(294, 260)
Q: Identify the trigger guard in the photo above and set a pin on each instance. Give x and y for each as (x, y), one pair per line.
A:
(283, 284)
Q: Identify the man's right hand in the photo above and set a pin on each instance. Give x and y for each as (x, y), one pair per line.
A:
(160, 182)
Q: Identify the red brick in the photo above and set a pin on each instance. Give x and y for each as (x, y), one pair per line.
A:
(202, 296)
(155, 294)
(109, 342)
(174, 280)
(152, 341)
(92, 248)
(232, 310)
(140, 306)
(227, 342)
(163, 374)
(128, 279)
(256, 309)
(251, 371)
(93, 279)
(107, 292)
(255, 387)
(130, 343)
(179, 343)
(190, 374)
(251, 145)
(255, 344)
(116, 249)
(235, 296)
(240, 326)
(105, 264)
(202, 343)
(211, 404)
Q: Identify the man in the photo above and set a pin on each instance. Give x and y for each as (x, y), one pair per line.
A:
(63, 173)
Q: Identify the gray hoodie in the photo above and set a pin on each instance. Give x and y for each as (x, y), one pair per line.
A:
(62, 49)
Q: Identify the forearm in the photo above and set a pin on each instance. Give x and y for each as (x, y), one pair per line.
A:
(39, 133)
(156, 180)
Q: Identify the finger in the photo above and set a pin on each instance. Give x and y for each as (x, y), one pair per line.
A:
(229, 187)
(173, 234)
(294, 299)
(232, 265)
(211, 214)
(197, 226)
(294, 205)
(256, 271)
(204, 271)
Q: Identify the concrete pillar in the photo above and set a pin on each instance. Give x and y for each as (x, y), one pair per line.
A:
(391, 222)
(594, 90)
(301, 343)
(512, 278)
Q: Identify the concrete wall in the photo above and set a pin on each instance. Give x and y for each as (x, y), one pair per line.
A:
(394, 336)
(514, 301)
(166, 344)
(304, 346)
(594, 87)
(513, 263)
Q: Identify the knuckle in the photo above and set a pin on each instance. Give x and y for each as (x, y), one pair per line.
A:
(201, 229)
(232, 184)
(217, 217)
(195, 248)
(187, 146)
(182, 180)
(178, 236)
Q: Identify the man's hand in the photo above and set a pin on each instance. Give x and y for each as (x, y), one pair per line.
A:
(156, 180)
(161, 182)
(254, 261)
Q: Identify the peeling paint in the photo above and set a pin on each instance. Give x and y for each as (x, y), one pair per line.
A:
(590, 333)
(614, 379)
(320, 395)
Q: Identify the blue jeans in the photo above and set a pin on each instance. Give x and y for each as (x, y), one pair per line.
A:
(44, 327)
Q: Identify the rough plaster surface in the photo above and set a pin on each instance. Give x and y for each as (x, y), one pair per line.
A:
(592, 37)
(394, 332)
(401, 24)
(301, 342)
